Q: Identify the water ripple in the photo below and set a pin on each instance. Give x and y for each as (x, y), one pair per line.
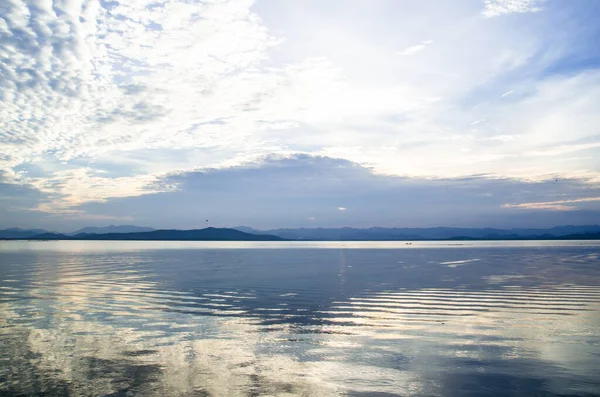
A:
(233, 322)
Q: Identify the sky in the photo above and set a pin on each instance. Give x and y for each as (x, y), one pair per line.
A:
(304, 113)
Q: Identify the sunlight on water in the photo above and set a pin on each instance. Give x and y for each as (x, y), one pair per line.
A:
(239, 319)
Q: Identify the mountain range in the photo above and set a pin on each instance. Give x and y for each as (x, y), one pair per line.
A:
(244, 233)
(207, 234)
(433, 233)
(15, 232)
(111, 229)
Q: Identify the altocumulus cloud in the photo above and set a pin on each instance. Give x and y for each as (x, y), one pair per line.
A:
(105, 104)
(498, 7)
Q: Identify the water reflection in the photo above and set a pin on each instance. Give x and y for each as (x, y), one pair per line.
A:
(311, 322)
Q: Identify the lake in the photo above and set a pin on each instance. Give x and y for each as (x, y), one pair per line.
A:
(299, 318)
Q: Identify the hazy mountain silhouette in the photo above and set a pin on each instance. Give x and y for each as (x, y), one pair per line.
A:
(243, 233)
(15, 232)
(585, 236)
(208, 234)
(434, 233)
(50, 236)
(112, 229)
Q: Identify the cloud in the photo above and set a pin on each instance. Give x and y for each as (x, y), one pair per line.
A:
(287, 191)
(559, 205)
(87, 79)
(95, 187)
(342, 208)
(413, 49)
(16, 202)
(416, 48)
(102, 100)
(495, 8)
(562, 149)
(300, 190)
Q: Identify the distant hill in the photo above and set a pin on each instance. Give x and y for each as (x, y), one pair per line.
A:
(208, 234)
(20, 233)
(112, 229)
(584, 236)
(321, 234)
(434, 233)
(50, 236)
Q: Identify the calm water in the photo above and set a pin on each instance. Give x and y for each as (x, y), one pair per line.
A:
(307, 319)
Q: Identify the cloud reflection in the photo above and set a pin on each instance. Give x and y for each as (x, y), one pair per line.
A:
(110, 323)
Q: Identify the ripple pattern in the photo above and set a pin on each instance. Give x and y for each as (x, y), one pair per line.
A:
(201, 322)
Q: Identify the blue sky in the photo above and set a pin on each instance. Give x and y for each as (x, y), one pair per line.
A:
(299, 113)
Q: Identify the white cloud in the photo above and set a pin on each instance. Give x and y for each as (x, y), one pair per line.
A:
(562, 149)
(85, 185)
(500, 7)
(559, 205)
(85, 88)
(416, 48)
(95, 80)
(413, 49)
(341, 208)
